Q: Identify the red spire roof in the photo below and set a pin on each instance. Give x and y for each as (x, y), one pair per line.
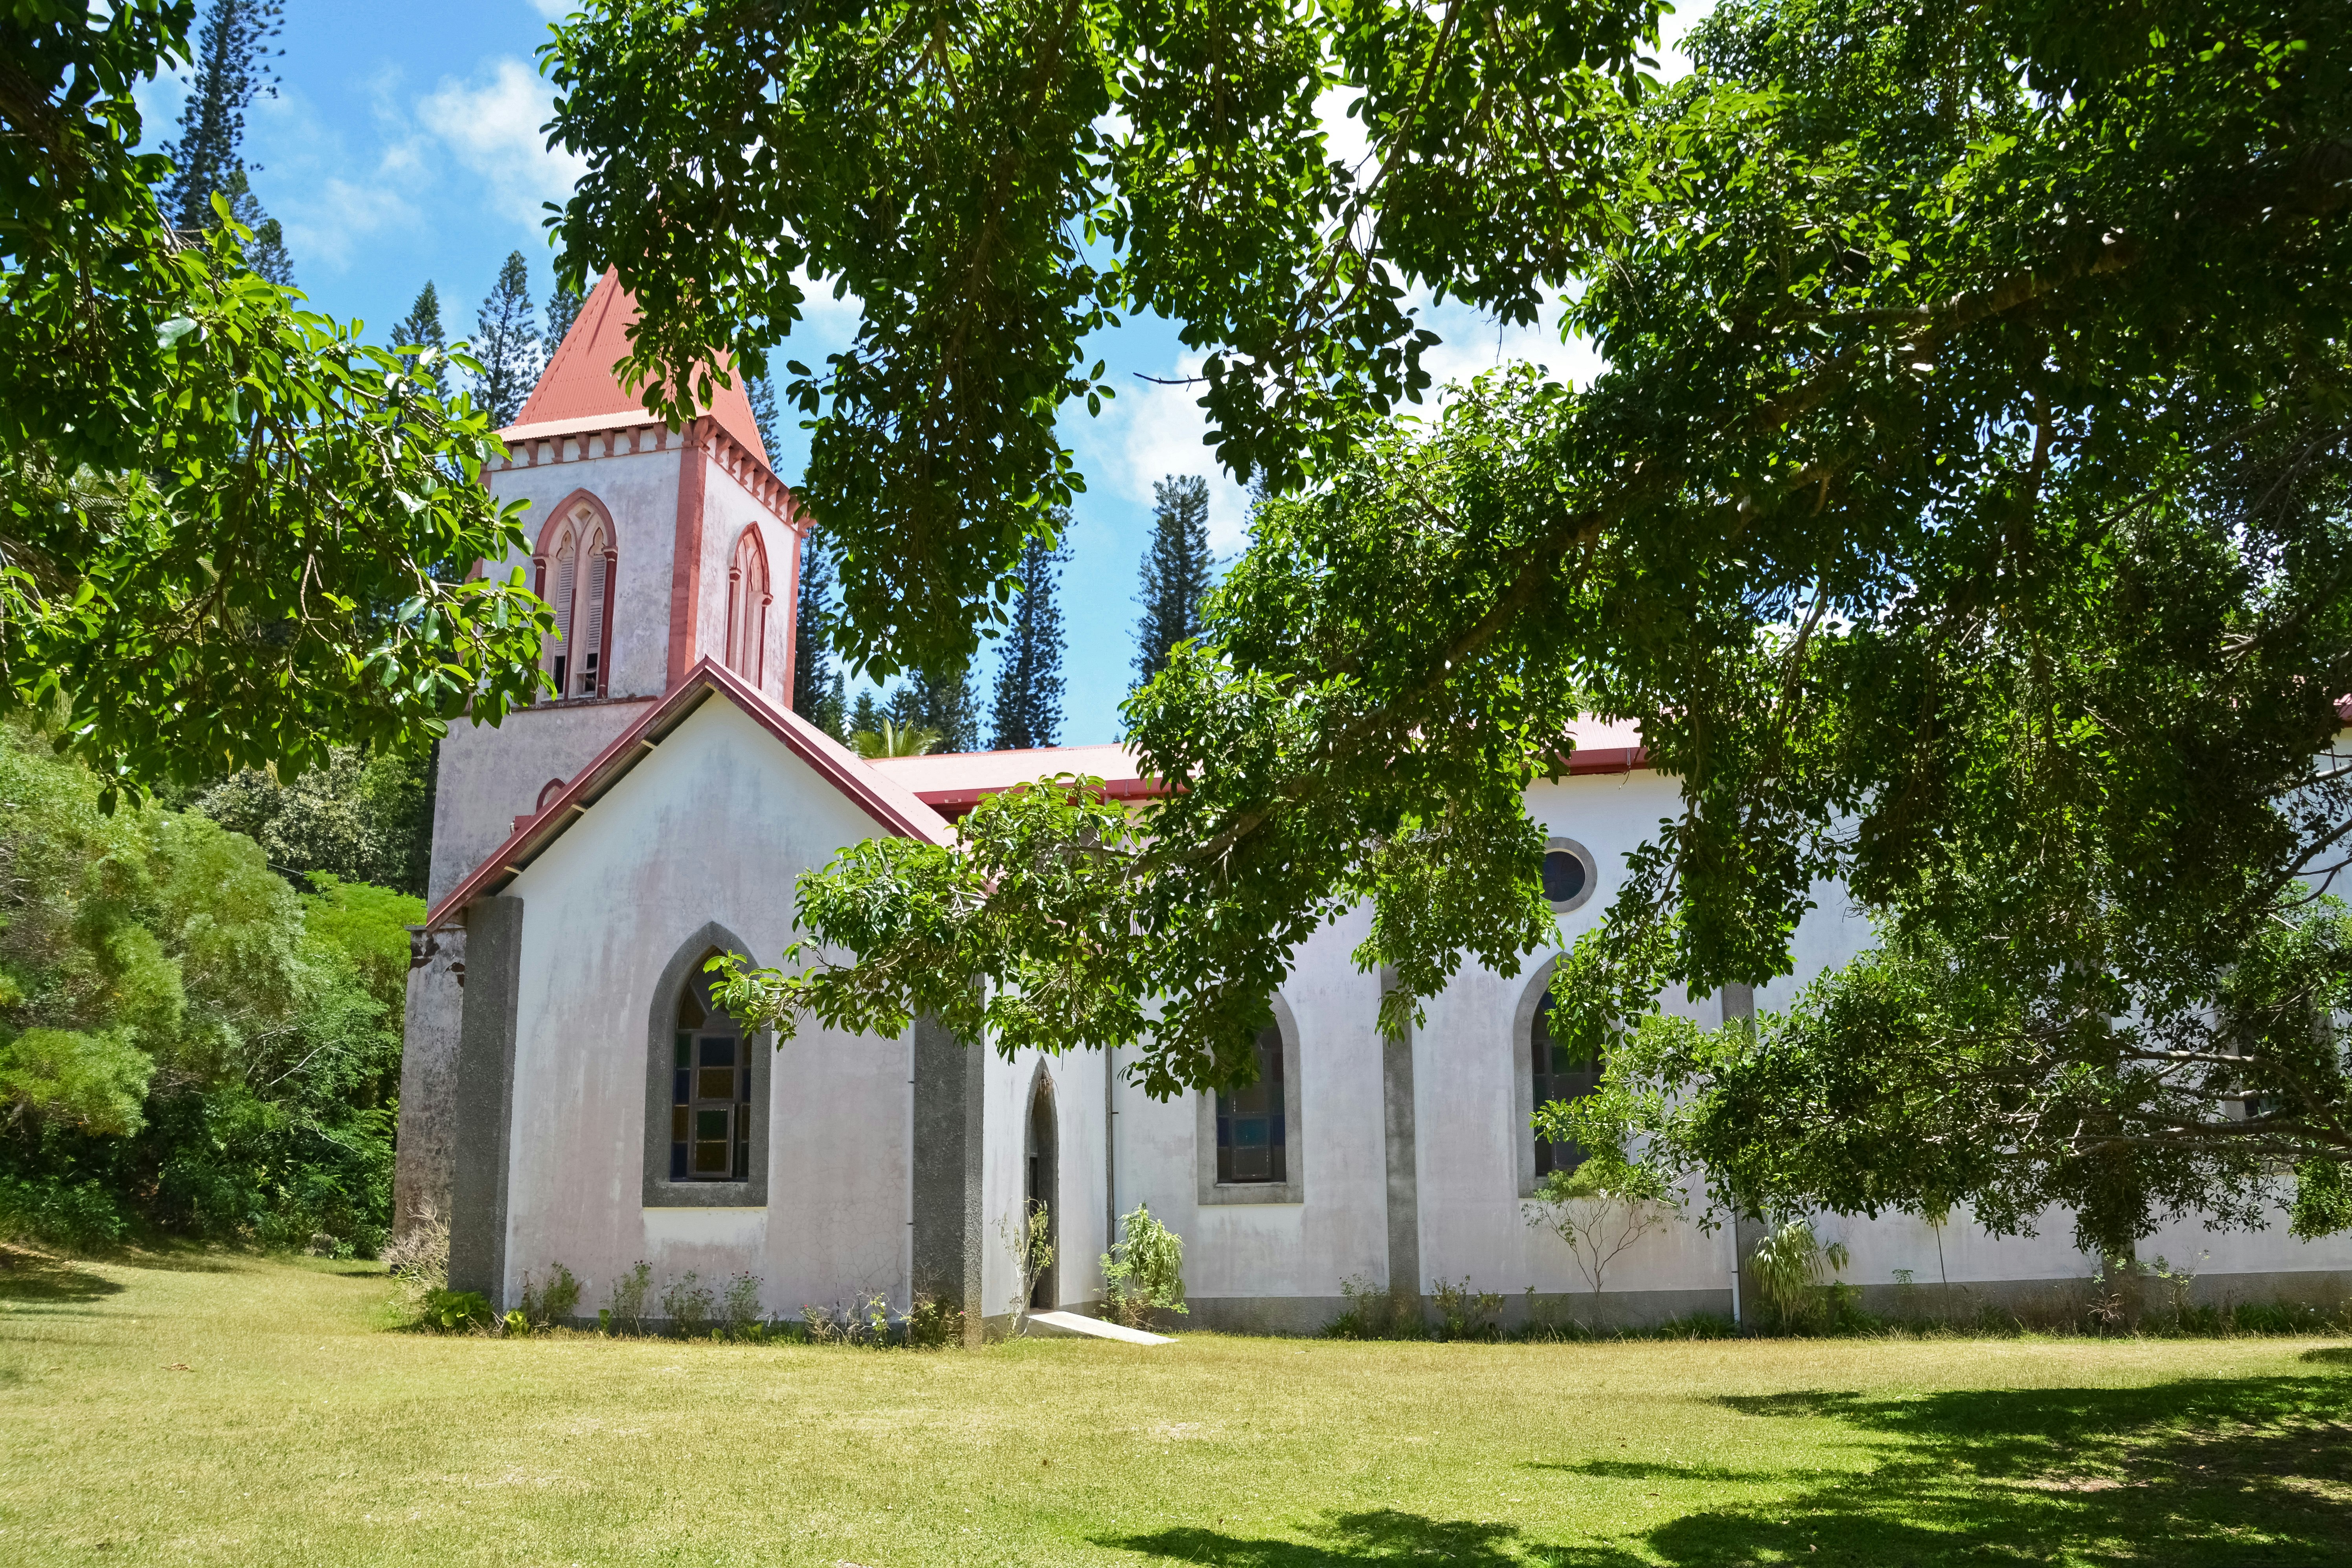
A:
(579, 382)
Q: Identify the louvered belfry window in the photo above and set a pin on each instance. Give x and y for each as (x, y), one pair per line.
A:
(747, 608)
(577, 583)
(710, 1091)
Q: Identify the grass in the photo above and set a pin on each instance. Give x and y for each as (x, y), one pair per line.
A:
(189, 1408)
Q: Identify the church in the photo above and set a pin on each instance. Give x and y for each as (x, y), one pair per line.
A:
(569, 1096)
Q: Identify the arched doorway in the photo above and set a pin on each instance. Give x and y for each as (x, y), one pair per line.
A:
(1042, 1185)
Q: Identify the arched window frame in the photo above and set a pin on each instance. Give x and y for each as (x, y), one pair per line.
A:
(749, 591)
(1292, 1188)
(661, 1190)
(1523, 1072)
(580, 514)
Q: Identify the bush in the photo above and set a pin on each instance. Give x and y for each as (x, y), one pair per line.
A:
(686, 1304)
(933, 1323)
(1144, 1272)
(81, 1215)
(453, 1311)
(740, 1309)
(628, 1305)
(554, 1301)
(1464, 1313)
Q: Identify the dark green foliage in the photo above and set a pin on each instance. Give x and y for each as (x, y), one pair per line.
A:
(947, 706)
(362, 819)
(1177, 572)
(265, 250)
(1027, 709)
(224, 517)
(506, 342)
(866, 718)
(186, 1044)
(454, 1312)
(232, 61)
(817, 685)
(422, 329)
(563, 309)
(761, 392)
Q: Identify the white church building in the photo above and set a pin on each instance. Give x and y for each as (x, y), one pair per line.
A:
(568, 1095)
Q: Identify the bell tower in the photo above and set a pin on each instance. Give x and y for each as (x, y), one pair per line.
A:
(656, 548)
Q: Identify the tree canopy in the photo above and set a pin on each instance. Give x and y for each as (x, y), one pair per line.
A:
(233, 533)
(1961, 508)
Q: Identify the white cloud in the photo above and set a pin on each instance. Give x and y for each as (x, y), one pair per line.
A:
(493, 128)
(1151, 430)
(556, 10)
(324, 220)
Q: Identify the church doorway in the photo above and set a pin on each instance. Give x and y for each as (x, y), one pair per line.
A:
(1042, 1188)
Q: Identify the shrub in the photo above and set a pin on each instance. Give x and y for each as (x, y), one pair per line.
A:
(686, 1304)
(1464, 1313)
(932, 1323)
(1371, 1314)
(740, 1309)
(862, 1320)
(629, 1299)
(453, 1311)
(79, 1214)
(553, 1302)
(1789, 1267)
(1144, 1272)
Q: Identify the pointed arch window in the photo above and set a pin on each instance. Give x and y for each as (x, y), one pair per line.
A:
(748, 598)
(576, 575)
(706, 1090)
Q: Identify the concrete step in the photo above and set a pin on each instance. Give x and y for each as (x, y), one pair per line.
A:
(1070, 1325)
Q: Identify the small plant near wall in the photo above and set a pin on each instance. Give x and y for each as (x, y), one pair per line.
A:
(552, 1302)
(686, 1304)
(418, 1259)
(1601, 1209)
(1144, 1272)
(1791, 1269)
(458, 1311)
(738, 1309)
(1371, 1313)
(1465, 1312)
(1029, 1236)
(862, 1320)
(626, 1308)
(933, 1323)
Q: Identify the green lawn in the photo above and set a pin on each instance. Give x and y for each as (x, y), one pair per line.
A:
(204, 1408)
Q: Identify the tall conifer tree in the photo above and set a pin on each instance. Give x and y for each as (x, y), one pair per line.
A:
(816, 686)
(507, 342)
(947, 705)
(1027, 710)
(762, 395)
(1176, 571)
(266, 251)
(232, 64)
(422, 329)
(563, 309)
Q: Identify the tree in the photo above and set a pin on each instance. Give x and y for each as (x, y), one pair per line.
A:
(945, 705)
(422, 329)
(762, 394)
(866, 718)
(816, 697)
(1027, 710)
(507, 342)
(359, 819)
(232, 61)
(265, 251)
(563, 309)
(891, 739)
(1961, 512)
(224, 517)
(1176, 572)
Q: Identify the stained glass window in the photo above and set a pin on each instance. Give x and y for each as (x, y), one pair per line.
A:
(710, 1091)
(1251, 1140)
(1557, 1077)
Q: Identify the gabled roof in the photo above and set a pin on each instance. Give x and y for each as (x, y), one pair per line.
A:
(952, 783)
(578, 389)
(891, 804)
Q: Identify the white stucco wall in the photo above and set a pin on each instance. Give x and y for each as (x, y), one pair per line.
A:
(713, 827)
(728, 509)
(488, 776)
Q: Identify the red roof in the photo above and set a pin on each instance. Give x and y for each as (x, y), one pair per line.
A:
(890, 803)
(579, 383)
(952, 783)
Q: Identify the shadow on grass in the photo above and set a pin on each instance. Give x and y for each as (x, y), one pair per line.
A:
(2235, 1471)
(52, 1282)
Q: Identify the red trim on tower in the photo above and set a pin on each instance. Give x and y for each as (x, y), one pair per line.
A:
(686, 557)
(604, 629)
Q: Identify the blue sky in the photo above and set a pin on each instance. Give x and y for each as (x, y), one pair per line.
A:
(404, 145)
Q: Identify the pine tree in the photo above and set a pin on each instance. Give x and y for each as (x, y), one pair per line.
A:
(816, 686)
(507, 343)
(1028, 707)
(232, 70)
(762, 394)
(946, 705)
(421, 329)
(563, 309)
(1176, 570)
(865, 718)
(266, 251)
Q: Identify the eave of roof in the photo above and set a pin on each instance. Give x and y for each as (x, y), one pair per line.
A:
(952, 783)
(896, 808)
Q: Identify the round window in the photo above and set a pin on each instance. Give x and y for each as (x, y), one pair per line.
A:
(1565, 878)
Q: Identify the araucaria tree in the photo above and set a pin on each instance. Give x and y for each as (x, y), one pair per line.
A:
(422, 329)
(563, 309)
(1177, 568)
(232, 69)
(223, 518)
(507, 342)
(944, 704)
(817, 691)
(1964, 513)
(1028, 708)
